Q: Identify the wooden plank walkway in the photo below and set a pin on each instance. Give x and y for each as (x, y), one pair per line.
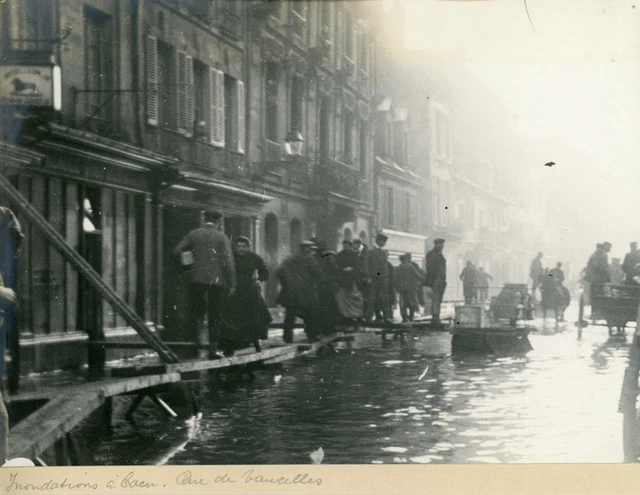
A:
(69, 405)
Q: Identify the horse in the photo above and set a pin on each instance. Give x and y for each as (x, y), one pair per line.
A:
(555, 296)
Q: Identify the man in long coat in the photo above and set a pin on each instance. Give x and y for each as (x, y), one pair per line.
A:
(631, 259)
(212, 275)
(535, 272)
(436, 278)
(299, 277)
(469, 277)
(378, 270)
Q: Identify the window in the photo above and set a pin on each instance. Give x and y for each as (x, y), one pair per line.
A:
(388, 138)
(201, 103)
(348, 136)
(297, 97)
(99, 67)
(216, 98)
(298, 17)
(324, 125)
(363, 58)
(390, 207)
(363, 155)
(325, 16)
(408, 211)
(234, 113)
(31, 27)
(160, 77)
(348, 34)
(185, 93)
(272, 77)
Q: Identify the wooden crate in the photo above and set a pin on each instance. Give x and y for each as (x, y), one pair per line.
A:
(471, 316)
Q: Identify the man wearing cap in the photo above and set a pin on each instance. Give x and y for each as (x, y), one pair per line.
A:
(631, 259)
(211, 277)
(378, 270)
(299, 276)
(436, 278)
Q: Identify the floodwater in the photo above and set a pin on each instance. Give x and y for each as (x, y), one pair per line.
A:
(403, 402)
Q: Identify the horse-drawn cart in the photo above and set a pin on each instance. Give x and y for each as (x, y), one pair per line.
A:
(617, 305)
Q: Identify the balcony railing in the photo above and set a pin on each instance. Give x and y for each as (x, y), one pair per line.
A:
(334, 176)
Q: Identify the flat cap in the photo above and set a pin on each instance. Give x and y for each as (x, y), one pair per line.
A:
(439, 240)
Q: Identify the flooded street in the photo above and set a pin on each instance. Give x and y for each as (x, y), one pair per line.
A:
(405, 402)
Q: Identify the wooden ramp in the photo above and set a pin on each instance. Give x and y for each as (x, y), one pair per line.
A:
(67, 406)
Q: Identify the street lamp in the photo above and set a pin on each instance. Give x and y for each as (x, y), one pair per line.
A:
(293, 144)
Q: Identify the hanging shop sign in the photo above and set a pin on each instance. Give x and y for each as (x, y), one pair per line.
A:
(30, 85)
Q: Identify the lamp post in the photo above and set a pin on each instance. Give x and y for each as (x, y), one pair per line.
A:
(293, 144)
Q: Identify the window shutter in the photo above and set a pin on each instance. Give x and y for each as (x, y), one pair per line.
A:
(152, 80)
(190, 97)
(241, 126)
(216, 88)
(185, 93)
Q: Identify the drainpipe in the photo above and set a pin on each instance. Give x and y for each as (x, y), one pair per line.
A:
(138, 76)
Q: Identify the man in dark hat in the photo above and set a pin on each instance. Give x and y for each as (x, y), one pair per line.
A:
(436, 278)
(299, 276)
(597, 271)
(378, 270)
(327, 286)
(631, 259)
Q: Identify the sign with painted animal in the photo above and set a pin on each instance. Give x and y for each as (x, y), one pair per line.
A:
(27, 85)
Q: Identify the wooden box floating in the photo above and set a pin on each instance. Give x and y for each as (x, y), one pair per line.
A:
(491, 340)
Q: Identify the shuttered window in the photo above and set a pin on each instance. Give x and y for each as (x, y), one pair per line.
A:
(216, 87)
(185, 93)
(152, 80)
(241, 126)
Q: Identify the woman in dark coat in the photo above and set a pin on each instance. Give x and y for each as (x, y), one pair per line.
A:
(245, 317)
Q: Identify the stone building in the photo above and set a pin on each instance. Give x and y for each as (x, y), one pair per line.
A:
(310, 77)
(156, 110)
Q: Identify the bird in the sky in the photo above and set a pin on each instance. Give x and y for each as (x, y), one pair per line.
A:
(549, 164)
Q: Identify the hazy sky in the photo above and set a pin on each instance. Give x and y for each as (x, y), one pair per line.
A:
(574, 74)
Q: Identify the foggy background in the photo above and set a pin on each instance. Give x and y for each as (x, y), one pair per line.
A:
(572, 80)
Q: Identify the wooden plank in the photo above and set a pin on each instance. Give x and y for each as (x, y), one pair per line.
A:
(226, 362)
(40, 430)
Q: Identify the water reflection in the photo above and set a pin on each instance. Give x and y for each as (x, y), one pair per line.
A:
(412, 402)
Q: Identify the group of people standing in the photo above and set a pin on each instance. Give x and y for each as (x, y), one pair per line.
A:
(475, 283)
(224, 282)
(599, 271)
(321, 287)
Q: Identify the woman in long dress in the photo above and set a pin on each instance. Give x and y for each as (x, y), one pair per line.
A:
(245, 317)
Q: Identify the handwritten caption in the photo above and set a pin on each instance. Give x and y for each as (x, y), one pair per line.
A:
(18, 482)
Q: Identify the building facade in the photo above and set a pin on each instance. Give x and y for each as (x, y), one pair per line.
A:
(164, 109)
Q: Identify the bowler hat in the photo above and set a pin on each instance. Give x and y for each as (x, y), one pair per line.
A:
(439, 240)
(381, 237)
